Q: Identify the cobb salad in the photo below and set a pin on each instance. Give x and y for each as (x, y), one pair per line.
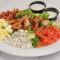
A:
(24, 29)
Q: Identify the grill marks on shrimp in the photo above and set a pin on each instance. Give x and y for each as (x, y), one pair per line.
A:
(22, 23)
(35, 22)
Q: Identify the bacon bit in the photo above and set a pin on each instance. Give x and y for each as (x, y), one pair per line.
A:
(0, 17)
(11, 16)
(8, 18)
(7, 13)
(2, 14)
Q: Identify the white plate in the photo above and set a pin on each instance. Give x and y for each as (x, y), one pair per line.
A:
(32, 51)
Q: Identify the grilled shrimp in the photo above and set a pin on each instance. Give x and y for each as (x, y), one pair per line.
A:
(13, 21)
(17, 26)
(35, 25)
(35, 22)
(22, 23)
(37, 19)
(26, 24)
(45, 22)
(25, 17)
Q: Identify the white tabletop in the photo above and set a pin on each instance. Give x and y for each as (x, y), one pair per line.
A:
(9, 4)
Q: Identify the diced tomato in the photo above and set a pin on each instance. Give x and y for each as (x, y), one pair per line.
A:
(37, 32)
(48, 35)
(47, 26)
(40, 44)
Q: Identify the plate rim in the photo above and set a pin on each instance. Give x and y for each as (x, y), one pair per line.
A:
(54, 50)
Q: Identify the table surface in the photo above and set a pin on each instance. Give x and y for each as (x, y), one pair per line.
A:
(9, 4)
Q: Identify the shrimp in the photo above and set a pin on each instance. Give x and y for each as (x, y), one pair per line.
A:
(25, 17)
(13, 21)
(26, 24)
(22, 23)
(35, 22)
(35, 25)
(45, 22)
(37, 19)
(17, 26)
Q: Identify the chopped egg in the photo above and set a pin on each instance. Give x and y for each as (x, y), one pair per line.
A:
(5, 29)
(3, 22)
(4, 32)
(8, 29)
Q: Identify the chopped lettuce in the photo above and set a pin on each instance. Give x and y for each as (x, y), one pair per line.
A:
(45, 15)
(33, 37)
(31, 16)
(25, 12)
(38, 14)
(30, 35)
(35, 41)
(51, 23)
(57, 24)
(54, 23)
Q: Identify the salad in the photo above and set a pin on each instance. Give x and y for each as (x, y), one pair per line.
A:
(25, 29)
